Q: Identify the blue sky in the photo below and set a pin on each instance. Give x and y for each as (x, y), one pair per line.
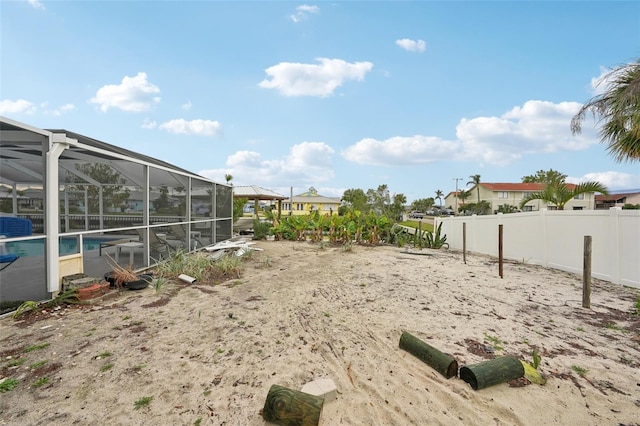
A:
(330, 95)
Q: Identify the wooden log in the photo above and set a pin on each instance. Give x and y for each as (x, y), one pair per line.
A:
(288, 407)
(441, 362)
(492, 372)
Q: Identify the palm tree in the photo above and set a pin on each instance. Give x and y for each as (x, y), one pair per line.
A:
(439, 195)
(463, 195)
(618, 108)
(558, 193)
(475, 180)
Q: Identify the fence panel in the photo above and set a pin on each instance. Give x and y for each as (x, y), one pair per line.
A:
(555, 239)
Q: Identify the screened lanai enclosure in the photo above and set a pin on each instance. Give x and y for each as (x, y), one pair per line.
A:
(71, 204)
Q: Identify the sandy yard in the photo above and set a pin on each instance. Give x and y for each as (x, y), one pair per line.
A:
(208, 354)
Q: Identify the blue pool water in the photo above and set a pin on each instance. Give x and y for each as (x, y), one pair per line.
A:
(67, 246)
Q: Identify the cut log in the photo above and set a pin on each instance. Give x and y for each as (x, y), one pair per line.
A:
(492, 372)
(441, 362)
(288, 407)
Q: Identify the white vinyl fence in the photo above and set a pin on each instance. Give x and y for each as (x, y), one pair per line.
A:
(555, 239)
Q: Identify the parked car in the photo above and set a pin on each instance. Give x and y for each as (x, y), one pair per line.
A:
(416, 215)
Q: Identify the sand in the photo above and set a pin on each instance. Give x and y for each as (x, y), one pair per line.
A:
(300, 311)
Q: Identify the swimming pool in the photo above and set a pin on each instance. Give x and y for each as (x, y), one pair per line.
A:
(68, 245)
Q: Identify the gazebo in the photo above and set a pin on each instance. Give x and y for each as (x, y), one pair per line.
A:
(257, 194)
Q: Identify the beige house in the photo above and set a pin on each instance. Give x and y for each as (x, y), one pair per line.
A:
(498, 194)
(604, 202)
(305, 203)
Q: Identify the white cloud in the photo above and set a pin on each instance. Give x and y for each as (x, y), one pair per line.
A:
(412, 45)
(149, 124)
(186, 106)
(134, 94)
(307, 164)
(401, 150)
(20, 106)
(61, 110)
(303, 11)
(295, 79)
(612, 180)
(193, 127)
(36, 4)
(535, 127)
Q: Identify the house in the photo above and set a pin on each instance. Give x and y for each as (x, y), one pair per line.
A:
(309, 201)
(498, 194)
(619, 199)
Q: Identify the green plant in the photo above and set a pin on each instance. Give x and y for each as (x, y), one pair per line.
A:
(40, 382)
(142, 402)
(160, 284)
(104, 354)
(8, 384)
(106, 367)
(536, 359)
(260, 229)
(37, 347)
(266, 262)
(38, 364)
(636, 308)
(581, 371)
(495, 342)
(16, 362)
(198, 421)
(27, 306)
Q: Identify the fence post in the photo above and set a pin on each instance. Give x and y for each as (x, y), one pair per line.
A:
(464, 242)
(586, 273)
(500, 258)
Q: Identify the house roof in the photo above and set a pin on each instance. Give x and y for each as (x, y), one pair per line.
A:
(517, 186)
(615, 197)
(254, 192)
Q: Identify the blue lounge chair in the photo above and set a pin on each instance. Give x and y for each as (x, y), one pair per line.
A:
(8, 258)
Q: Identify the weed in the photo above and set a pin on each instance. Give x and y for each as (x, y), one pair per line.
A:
(220, 351)
(326, 314)
(161, 284)
(16, 362)
(8, 384)
(126, 317)
(198, 421)
(347, 247)
(636, 308)
(241, 323)
(580, 329)
(38, 364)
(106, 367)
(142, 402)
(495, 342)
(536, 359)
(614, 326)
(581, 371)
(40, 382)
(104, 354)
(139, 367)
(266, 262)
(27, 306)
(207, 392)
(37, 347)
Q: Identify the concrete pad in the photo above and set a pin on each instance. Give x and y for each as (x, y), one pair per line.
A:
(325, 388)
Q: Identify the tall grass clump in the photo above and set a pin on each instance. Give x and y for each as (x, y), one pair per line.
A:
(181, 262)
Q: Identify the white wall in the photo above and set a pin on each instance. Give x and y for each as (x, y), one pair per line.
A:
(555, 239)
